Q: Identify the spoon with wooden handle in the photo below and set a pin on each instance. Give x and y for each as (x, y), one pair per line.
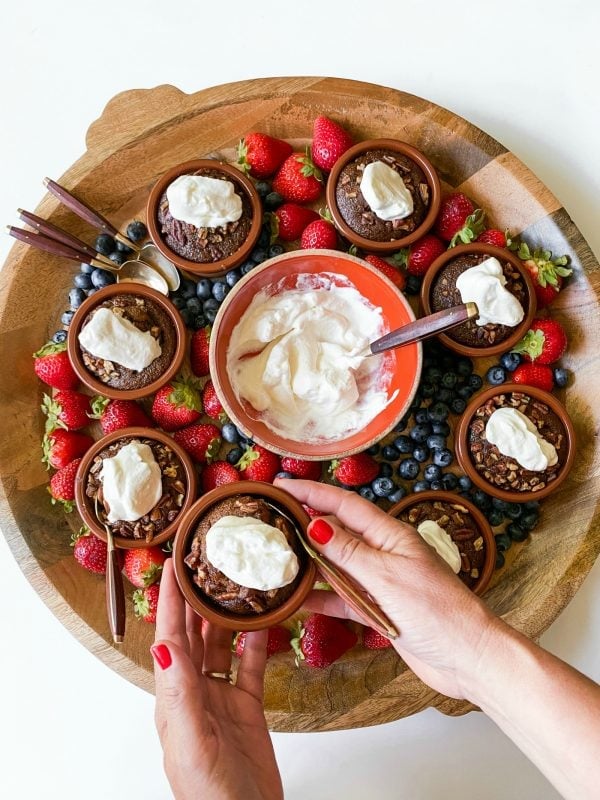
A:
(425, 327)
(115, 591)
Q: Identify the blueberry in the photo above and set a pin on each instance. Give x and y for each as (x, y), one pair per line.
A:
(210, 305)
(401, 425)
(443, 457)
(561, 377)
(436, 442)
(434, 374)
(481, 499)
(284, 474)
(408, 469)
(397, 494)
(232, 277)
(136, 231)
(421, 486)
(510, 361)
(496, 375)
(86, 269)
(179, 302)
(499, 559)
(475, 381)
(276, 250)
(444, 395)
(465, 483)
(464, 367)
(367, 493)
(194, 305)
(390, 453)
(246, 267)
(220, 291)
(450, 481)
(66, 317)
(464, 392)
(495, 517)
(438, 412)
(90, 292)
(264, 239)
(441, 428)
(187, 288)
(272, 201)
(386, 470)
(413, 284)
(105, 244)
(383, 487)
(529, 520)
(59, 337)
(513, 510)
(503, 541)
(258, 255)
(403, 444)
(532, 505)
(204, 289)
(420, 453)
(117, 258)
(420, 433)
(263, 188)
(187, 316)
(211, 315)
(449, 380)
(82, 281)
(199, 321)
(102, 278)
(458, 405)
(373, 450)
(432, 472)
(427, 389)
(421, 415)
(76, 298)
(437, 486)
(516, 532)
(500, 505)
(123, 248)
(234, 455)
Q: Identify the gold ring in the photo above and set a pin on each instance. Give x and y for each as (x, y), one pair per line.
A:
(220, 676)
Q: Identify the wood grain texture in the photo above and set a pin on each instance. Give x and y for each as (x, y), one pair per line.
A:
(141, 134)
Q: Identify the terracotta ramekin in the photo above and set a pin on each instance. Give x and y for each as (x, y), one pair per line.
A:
(194, 595)
(397, 147)
(463, 449)
(74, 350)
(483, 525)
(501, 254)
(402, 365)
(85, 505)
(215, 268)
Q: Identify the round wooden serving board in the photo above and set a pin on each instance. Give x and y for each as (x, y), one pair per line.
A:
(139, 136)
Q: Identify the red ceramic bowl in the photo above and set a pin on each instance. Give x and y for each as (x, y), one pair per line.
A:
(404, 364)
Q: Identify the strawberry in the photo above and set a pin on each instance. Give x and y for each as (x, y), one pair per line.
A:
(278, 641)
(89, 551)
(258, 464)
(298, 180)
(290, 221)
(261, 155)
(321, 640)
(143, 565)
(544, 342)
(537, 375)
(202, 441)
(218, 473)
(199, 351)
(396, 276)
(492, 236)
(67, 409)
(62, 485)
(355, 470)
(373, 640)
(176, 404)
(212, 404)
(547, 272)
(52, 366)
(309, 470)
(60, 447)
(330, 141)
(145, 602)
(420, 255)
(319, 234)
(458, 220)
(117, 414)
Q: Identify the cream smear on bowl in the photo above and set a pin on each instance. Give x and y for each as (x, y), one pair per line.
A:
(298, 357)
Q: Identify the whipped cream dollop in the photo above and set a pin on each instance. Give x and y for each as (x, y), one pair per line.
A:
(251, 552)
(203, 202)
(484, 284)
(112, 337)
(515, 435)
(298, 357)
(441, 541)
(131, 482)
(385, 192)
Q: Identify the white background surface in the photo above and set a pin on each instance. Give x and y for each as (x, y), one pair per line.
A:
(525, 73)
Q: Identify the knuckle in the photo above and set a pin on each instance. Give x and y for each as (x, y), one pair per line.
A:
(173, 696)
(348, 549)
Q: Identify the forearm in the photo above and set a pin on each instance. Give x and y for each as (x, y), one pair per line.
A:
(550, 711)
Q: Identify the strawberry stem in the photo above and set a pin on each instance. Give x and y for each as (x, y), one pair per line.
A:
(474, 225)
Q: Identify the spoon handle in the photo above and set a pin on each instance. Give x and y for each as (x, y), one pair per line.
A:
(115, 593)
(425, 327)
(53, 232)
(55, 248)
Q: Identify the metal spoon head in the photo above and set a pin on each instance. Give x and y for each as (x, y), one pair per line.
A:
(151, 255)
(139, 272)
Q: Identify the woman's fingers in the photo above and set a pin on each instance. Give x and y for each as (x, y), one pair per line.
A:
(170, 615)
(330, 604)
(217, 648)
(251, 672)
(193, 624)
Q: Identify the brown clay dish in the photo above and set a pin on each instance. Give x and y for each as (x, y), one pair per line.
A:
(85, 504)
(182, 546)
(215, 268)
(503, 255)
(464, 451)
(403, 149)
(130, 289)
(481, 523)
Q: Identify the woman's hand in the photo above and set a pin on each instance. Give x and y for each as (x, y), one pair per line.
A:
(443, 626)
(214, 735)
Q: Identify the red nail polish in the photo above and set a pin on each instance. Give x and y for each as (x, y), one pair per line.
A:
(162, 656)
(320, 531)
